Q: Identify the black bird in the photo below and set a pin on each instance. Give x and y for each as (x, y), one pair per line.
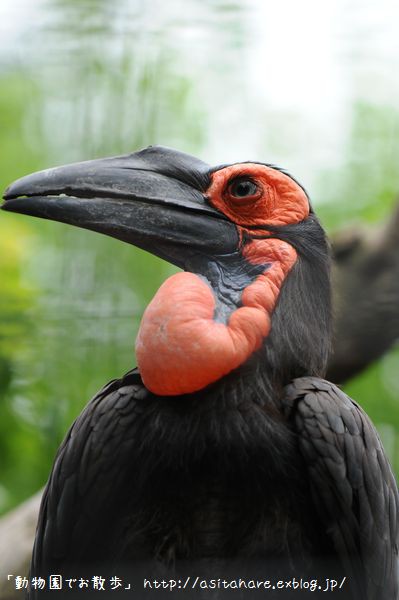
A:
(225, 450)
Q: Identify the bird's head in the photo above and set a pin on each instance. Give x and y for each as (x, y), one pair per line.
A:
(255, 290)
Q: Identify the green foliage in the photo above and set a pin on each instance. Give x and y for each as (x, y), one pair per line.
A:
(17, 129)
(367, 186)
(17, 293)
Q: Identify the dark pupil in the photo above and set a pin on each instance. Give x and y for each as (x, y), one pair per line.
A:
(242, 188)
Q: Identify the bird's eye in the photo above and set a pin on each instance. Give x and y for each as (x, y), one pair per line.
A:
(242, 188)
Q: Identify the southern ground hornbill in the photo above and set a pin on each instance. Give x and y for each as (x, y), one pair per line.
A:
(225, 452)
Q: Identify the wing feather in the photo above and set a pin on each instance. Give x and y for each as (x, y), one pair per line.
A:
(90, 465)
(352, 483)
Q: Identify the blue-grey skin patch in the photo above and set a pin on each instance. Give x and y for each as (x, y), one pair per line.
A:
(228, 278)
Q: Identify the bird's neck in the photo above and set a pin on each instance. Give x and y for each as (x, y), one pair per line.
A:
(200, 327)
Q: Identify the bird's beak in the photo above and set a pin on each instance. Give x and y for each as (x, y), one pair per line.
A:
(153, 199)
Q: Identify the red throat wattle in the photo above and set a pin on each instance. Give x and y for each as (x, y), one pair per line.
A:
(180, 348)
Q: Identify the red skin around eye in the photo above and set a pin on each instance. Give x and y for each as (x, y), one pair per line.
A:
(281, 201)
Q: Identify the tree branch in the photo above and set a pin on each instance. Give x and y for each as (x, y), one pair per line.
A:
(366, 297)
(17, 531)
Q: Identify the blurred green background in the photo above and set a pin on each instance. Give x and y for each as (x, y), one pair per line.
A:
(312, 86)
